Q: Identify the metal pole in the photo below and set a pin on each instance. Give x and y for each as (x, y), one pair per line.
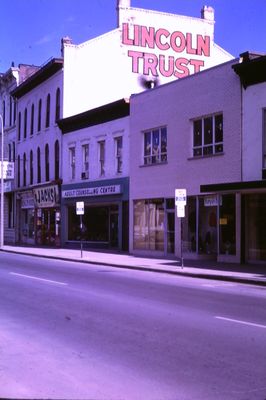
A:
(81, 233)
(2, 184)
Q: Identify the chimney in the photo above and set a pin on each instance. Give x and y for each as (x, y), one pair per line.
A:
(65, 40)
(121, 4)
(207, 13)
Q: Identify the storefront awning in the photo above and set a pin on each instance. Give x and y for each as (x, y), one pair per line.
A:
(233, 186)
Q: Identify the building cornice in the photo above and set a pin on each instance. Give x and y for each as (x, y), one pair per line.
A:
(251, 69)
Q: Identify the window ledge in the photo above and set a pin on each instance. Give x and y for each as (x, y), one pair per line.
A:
(206, 156)
(153, 165)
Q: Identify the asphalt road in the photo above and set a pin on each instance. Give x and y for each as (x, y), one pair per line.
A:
(75, 331)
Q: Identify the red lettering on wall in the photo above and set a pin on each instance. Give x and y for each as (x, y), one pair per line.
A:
(197, 64)
(136, 56)
(189, 48)
(158, 36)
(125, 35)
(168, 70)
(147, 37)
(178, 42)
(181, 66)
(150, 64)
(203, 45)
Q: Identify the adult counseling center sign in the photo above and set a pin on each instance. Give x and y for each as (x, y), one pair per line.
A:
(189, 50)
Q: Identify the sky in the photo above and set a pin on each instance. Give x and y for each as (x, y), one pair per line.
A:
(31, 30)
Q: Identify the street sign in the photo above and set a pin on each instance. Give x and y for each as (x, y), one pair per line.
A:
(8, 170)
(180, 211)
(180, 196)
(80, 207)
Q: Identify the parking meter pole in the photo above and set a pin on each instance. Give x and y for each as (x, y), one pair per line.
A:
(81, 232)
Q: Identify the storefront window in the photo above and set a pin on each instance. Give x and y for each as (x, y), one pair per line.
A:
(256, 227)
(149, 224)
(189, 224)
(227, 224)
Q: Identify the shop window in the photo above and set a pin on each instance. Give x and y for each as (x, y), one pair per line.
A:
(149, 224)
(47, 119)
(10, 205)
(31, 167)
(85, 162)
(155, 146)
(24, 169)
(189, 226)
(25, 122)
(47, 165)
(19, 126)
(32, 120)
(227, 224)
(40, 115)
(72, 162)
(56, 160)
(57, 105)
(38, 165)
(208, 135)
(102, 157)
(119, 153)
(255, 232)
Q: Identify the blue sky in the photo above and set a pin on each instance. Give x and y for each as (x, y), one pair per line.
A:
(31, 30)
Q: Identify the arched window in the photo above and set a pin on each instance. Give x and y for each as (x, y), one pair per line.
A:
(56, 160)
(19, 126)
(47, 174)
(38, 165)
(18, 171)
(40, 115)
(57, 105)
(14, 151)
(4, 113)
(10, 110)
(25, 122)
(9, 152)
(31, 167)
(24, 169)
(15, 111)
(47, 119)
(32, 120)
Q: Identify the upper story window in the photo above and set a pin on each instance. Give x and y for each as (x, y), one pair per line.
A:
(57, 105)
(47, 166)
(56, 160)
(102, 157)
(4, 113)
(47, 119)
(85, 161)
(155, 146)
(24, 169)
(25, 122)
(208, 135)
(32, 120)
(40, 115)
(72, 162)
(10, 110)
(38, 165)
(18, 175)
(31, 167)
(119, 153)
(19, 126)
(15, 111)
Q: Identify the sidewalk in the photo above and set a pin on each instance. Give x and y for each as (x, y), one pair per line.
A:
(250, 274)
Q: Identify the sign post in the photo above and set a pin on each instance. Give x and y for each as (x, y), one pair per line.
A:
(80, 212)
(180, 202)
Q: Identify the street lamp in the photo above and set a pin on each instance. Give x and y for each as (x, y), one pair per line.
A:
(2, 185)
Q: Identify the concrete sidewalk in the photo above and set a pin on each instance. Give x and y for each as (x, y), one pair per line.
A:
(250, 274)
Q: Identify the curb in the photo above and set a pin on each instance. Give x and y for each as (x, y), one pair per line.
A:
(225, 278)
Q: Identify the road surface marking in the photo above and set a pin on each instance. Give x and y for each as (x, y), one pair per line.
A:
(241, 322)
(39, 279)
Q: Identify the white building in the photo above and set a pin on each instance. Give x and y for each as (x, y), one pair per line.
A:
(39, 157)
(146, 49)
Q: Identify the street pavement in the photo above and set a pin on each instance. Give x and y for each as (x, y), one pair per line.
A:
(243, 273)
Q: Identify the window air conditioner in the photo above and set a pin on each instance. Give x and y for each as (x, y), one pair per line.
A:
(84, 175)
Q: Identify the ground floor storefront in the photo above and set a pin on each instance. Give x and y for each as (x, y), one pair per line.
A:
(227, 227)
(39, 216)
(104, 223)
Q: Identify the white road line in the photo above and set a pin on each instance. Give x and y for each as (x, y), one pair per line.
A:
(39, 279)
(241, 322)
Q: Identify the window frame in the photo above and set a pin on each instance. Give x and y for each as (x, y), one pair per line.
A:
(208, 135)
(153, 152)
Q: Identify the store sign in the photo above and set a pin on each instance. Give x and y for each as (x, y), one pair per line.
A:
(8, 170)
(95, 191)
(210, 201)
(27, 200)
(46, 196)
(190, 49)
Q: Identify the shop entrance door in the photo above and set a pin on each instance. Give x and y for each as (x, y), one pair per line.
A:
(170, 240)
(114, 228)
